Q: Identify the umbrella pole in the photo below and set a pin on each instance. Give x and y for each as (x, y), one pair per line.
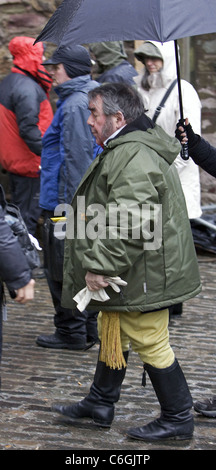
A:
(178, 79)
(184, 151)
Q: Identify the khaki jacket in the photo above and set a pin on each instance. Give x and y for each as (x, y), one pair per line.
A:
(154, 253)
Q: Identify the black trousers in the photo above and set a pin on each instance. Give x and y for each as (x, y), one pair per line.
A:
(25, 192)
(76, 326)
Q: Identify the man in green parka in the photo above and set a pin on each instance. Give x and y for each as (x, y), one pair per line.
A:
(147, 248)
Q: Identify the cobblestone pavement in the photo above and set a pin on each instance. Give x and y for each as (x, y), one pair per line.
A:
(33, 378)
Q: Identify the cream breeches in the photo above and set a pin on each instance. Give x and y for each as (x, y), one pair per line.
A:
(148, 335)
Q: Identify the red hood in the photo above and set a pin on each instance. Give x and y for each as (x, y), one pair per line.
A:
(25, 55)
(29, 57)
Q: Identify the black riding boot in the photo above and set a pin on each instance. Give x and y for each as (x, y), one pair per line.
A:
(176, 421)
(99, 403)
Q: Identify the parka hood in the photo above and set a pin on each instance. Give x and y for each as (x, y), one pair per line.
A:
(74, 85)
(27, 58)
(108, 54)
(147, 49)
(144, 131)
(165, 52)
(25, 55)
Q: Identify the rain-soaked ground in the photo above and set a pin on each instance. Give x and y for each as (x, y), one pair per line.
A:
(34, 378)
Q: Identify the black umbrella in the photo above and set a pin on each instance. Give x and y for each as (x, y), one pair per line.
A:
(87, 21)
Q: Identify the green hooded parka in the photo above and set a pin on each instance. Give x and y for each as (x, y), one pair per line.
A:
(153, 251)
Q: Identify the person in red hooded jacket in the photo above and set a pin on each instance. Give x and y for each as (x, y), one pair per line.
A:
(25, 114)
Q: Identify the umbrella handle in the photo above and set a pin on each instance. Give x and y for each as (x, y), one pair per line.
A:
(184, 151)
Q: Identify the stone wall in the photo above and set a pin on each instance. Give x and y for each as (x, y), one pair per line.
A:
(21, 18)
(203, 73)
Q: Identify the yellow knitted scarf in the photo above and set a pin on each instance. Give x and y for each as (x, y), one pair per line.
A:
(111, 349)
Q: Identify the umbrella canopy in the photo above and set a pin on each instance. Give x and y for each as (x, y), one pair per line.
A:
(86, 21)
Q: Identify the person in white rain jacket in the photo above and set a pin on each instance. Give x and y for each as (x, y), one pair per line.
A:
(159, 73)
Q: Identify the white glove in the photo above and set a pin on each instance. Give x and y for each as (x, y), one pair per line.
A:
(85, 295)
(35, 242)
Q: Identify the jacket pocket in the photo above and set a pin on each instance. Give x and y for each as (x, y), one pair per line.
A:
(155, 276)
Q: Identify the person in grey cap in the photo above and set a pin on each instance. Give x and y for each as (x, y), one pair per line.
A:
(68, 150)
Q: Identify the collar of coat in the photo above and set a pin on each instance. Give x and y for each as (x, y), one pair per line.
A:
(142, 123)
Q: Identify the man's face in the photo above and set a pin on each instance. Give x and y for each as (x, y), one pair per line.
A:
(58, 74)
(102, 126)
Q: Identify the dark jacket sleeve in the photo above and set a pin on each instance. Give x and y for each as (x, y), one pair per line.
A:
(27, 99)
(14, 269)
(204, 155)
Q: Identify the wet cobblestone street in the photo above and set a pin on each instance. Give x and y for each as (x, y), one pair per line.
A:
(34, 378)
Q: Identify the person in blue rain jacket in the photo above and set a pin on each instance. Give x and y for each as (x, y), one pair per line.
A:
(68, 148)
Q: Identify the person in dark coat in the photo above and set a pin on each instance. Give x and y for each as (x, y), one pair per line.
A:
(201, 151)
(204, 155)
(25, 114)
(14, 269)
